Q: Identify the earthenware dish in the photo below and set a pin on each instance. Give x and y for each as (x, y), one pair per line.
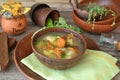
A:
(110, 4)
(97, 28)
(102, 25)
(58, 63)
(24, 49)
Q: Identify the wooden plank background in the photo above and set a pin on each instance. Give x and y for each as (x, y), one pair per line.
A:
(61, 5)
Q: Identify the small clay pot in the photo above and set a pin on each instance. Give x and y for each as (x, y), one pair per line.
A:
(15, 25)
(41, 15)
(35, 7)
(40, 12)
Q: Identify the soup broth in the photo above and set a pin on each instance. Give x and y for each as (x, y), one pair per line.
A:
(58, 45)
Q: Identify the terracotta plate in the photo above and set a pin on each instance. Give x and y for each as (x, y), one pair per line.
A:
(24, 49)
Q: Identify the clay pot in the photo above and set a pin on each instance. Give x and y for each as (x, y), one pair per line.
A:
(40, 12)
(14, 25)
(41, 15)
(35, 7)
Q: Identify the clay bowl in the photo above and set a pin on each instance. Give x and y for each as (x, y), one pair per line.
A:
(58, 63)
(40, 12)
(21, 52)
(23, 49)
(98, 29)
(109, 4)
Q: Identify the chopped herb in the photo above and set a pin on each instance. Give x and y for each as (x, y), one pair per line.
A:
(63, 55)
(37, 41)
(44, 41)
(49, 22)
(61, 23)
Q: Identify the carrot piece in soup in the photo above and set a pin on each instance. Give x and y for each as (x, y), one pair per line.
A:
(61, 42)
(44, 47)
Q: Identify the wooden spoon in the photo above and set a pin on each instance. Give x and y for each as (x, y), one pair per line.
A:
(80, 13)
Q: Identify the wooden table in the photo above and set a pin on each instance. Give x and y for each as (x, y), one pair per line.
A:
(12, 73)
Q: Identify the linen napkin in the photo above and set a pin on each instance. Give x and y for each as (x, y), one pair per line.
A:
(94, 65)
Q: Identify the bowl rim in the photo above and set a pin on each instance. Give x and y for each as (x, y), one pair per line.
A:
(66, 31)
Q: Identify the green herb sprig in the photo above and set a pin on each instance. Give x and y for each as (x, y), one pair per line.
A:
(96, 10)
(61, 22)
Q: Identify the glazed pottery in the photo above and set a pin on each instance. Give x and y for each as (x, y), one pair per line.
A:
(15, 25)
(58, 63)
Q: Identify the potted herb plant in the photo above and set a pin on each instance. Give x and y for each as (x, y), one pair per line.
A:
(13, 17)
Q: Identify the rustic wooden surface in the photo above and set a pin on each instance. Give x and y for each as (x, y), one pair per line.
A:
(56, 4)
(12, 73)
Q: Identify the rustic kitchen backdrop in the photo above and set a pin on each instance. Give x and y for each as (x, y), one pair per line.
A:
(61, 5)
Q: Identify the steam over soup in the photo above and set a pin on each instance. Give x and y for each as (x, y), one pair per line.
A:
(58, 45)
